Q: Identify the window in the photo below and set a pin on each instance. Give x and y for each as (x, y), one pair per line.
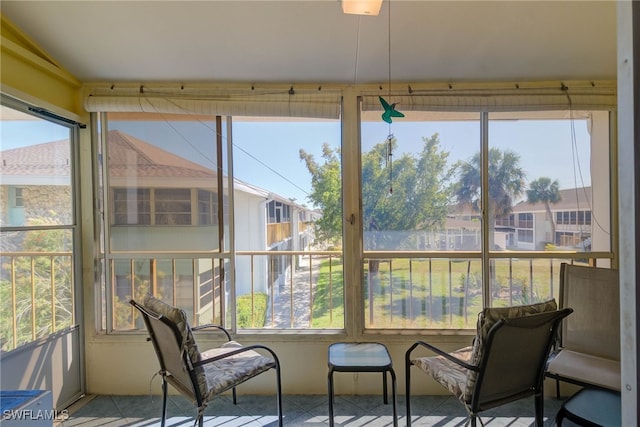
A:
(525, 236)
(278, 211)
(409, 205)
(289, 258)
(165, 199)
(149, 206)
(207, 208)
(506, 221)
(525, 220)
(583, 217)
(463, 206)
(18, 198)
(171, 197)
(132, 206)
(423, 266)
(172, 206)
(37, 227)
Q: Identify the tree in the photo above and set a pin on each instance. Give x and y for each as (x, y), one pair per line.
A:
(325, 193)
(420, 196)
(542, 190)
(419, 200)
(506, 182)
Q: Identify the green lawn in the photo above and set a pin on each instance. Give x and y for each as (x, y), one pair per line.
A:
(432, 293)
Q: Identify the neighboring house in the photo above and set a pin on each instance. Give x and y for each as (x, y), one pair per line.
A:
(32, 184)
(572, 217)
(161, 202)
(526, 228)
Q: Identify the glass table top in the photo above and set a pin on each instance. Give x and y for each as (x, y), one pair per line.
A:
(359, 355)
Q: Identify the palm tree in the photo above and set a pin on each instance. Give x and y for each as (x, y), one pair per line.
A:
(506, 183)
(542, 190)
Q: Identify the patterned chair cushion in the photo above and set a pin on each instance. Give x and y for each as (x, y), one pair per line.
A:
(460, 381)
(222, 374)
(215, 377)
(489, 317)
(450, 375)
(179, 317)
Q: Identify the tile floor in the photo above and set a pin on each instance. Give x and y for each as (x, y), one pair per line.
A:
(298, 410)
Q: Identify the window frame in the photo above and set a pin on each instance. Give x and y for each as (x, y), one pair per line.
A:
(72, 226)
(490, 256)
(352, 236)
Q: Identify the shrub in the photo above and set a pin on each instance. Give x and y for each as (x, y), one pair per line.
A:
(243, 312)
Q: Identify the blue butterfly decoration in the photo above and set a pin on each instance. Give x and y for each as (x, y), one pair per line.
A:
(389, 110)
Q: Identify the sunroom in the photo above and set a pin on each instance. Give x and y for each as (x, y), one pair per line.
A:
(233, 159)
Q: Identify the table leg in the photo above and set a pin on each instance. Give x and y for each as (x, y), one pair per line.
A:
(393, 396)
(384, 387)
(330, 382)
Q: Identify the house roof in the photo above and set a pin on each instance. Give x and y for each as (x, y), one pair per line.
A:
(127, 152)
(570, 199)
(464, 224)
(33, 164)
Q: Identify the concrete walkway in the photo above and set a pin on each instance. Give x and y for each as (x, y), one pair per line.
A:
(298, 290)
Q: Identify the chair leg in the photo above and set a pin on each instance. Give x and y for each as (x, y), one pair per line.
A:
(560, 417)
(407, 382)
(279, 393)
(164, 400)
(235, 400)
(539, 408)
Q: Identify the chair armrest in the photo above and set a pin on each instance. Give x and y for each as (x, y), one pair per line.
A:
(213, 326)
(238, 351)
(440, 353)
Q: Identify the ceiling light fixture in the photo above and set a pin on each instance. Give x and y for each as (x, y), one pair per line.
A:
(362, 7)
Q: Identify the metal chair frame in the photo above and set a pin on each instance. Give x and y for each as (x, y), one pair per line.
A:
(192, 390)
(476, 403)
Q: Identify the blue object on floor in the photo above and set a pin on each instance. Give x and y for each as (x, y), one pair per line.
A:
(592, 407)
(12, 399)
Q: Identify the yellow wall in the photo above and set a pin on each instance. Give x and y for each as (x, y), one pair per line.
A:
(28, 73)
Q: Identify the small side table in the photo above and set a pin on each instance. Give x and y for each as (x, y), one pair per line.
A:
(592, 408)
(361, 357)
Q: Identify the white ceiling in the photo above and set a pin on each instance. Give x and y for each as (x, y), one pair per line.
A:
(314, 42)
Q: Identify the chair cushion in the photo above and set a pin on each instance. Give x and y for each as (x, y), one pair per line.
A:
(179, 317)
(489, 317)
(586, 368)
(215, 377)
(223, 374)
(450, 375)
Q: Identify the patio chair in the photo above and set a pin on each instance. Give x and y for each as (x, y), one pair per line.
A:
(201, 376)
(588, 350)
(505, 363)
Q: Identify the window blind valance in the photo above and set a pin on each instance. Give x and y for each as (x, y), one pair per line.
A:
(578, 97)
(283, 102)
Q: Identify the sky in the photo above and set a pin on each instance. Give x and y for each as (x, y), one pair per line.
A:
(266, 153)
